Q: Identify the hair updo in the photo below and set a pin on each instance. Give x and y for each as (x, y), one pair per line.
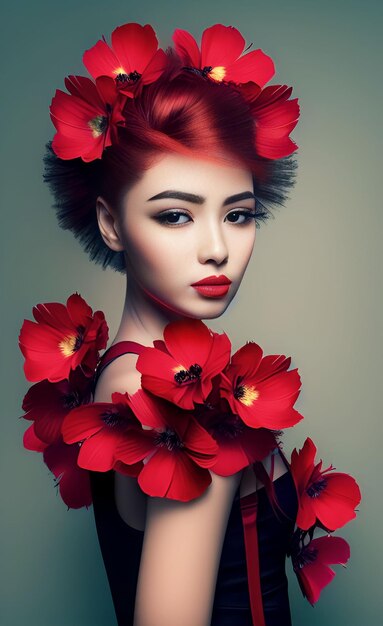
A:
(180, 112)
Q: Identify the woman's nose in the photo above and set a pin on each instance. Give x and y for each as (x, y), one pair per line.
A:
(212, 245)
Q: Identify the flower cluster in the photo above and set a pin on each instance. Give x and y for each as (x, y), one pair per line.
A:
(200, 409)
(61, 351)
(327, 501)
(87, 118)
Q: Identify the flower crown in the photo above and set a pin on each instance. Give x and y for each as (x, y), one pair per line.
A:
(88, 117)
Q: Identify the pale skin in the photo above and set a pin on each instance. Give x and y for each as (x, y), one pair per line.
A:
(168, 244)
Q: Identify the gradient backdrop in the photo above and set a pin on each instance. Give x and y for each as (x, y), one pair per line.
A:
(311, 291)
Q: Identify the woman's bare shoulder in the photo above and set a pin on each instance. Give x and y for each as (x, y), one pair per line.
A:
(119, 375)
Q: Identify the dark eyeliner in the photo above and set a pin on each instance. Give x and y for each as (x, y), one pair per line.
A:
(162, 218)
(247, 213)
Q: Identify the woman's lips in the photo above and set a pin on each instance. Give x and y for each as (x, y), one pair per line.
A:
(213, 286)
(212, 291)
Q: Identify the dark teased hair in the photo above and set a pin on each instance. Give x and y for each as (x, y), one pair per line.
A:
(180, 112)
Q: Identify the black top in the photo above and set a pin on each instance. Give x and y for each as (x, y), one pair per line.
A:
(121, 547)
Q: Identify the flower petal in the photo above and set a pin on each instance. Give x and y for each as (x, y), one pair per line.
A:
(100, 60)
(221, 45)
(187, 48)
(97, 453)
(84, 421)
(74, 483)
(255, 66)
(174, 476)
(134, 45)
(32, 442)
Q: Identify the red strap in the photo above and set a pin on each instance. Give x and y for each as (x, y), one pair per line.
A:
(249, 506)
(121, 347)
(118, 349)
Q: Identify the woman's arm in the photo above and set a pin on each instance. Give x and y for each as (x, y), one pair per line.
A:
(180, 556)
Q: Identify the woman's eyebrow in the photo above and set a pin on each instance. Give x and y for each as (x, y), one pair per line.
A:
(191, 197)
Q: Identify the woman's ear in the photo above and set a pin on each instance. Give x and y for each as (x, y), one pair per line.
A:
(108, 225)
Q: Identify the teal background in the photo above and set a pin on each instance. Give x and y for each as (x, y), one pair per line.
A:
(313, 290)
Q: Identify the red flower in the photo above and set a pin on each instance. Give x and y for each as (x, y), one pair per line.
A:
(132, 60)
(177, 451)
(73, 481)
(330, 498)
(181, 368)
(311, 564)
(260, 390)
(32, 442)
(47, 403)
(86, 119)
(101, 427)
(220, 56)
(63, 338)
(275, 118)
(239, 445)
(61, 459)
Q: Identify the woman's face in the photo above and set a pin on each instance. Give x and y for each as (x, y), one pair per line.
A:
(186, 220)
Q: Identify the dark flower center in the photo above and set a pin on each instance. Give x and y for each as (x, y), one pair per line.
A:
(239, 392)
(123, 79)
(170, 439)
(73, 342)
(315, 489)
(112, 418)
(190, 375)
(305, 556)
(98, 124)
(228, 426)
(195, 70)
(247, 394)
(71, 400)
(206, 70)
(79, 338)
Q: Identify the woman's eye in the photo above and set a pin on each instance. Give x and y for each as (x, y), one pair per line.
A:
(240, 217)
(173, 218)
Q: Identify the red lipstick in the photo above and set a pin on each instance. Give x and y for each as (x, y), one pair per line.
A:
(213, 286)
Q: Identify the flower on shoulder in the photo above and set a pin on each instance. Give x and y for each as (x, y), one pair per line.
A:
(311, 562)
(87, 118)
(238, 444)
(260, 390)
(219, 57)
(48, 403)
(177, 451)
(324, 495)
(73, 481)
(181, 368)
(131, 61)
(100, 427)
(61, 339)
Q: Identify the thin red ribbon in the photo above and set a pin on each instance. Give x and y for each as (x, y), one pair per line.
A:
(118, 349)
(249, 507)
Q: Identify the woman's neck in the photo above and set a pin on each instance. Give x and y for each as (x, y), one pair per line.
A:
(143, 318)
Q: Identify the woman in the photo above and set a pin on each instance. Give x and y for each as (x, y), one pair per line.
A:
(163, 166)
